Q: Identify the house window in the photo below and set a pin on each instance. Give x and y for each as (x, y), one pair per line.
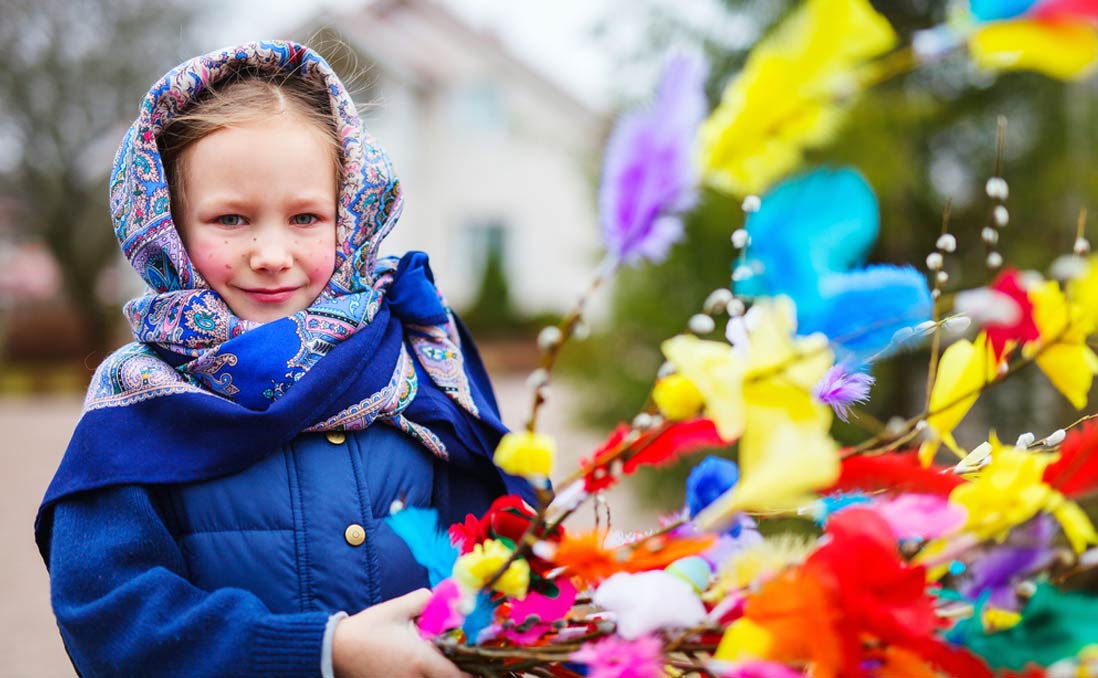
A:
(485, 241)
(479, 107)
(490, 309)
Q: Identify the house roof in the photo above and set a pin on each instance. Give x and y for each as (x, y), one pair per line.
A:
(423, 43)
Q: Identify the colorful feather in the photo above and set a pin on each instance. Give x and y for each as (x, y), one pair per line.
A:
(1045, 10)
(824, 221)
(899, 471)
(679, 440)
(1066, 10)
(648, 173)
(996, 10)
(1067, 50)
(480, 618)
(430, 546)
(861, 311)
(808, 239)
(841, 389)
(1055, 625)
(1076, 472)
(792, 93)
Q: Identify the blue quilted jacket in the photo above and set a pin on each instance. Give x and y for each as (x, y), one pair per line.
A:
(238, 575)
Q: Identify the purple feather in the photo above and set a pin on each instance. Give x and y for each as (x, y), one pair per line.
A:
(648, 175)
(841, 390)
(997, 572)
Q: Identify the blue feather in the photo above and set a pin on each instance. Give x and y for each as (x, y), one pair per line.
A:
(825, 221)
(994, 10)
(832, 504)
(480, 618)
(430, 546)
(860, 311)
(809, 240)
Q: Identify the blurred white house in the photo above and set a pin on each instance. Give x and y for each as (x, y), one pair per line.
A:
(491, 154)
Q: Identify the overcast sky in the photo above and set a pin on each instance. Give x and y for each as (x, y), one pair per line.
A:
(552, 35)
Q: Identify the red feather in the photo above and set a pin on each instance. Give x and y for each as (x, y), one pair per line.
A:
(1076, 472)
(1067, 10)
(898, 471)
(1022, 330)
(597, 475)
(677, 441)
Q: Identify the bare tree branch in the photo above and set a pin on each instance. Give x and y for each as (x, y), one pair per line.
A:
(74, 73)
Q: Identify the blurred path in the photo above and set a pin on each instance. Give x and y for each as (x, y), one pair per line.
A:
(34, 434)
(628, 511)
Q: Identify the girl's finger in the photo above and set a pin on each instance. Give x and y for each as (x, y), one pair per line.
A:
(438, 666)
(409, 605)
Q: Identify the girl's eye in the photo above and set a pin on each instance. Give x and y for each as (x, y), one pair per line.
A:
(304, 219)
(230, 220)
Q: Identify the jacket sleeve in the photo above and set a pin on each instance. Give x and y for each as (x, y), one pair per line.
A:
(125, 607)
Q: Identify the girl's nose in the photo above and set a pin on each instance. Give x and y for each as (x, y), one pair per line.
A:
(271, 252)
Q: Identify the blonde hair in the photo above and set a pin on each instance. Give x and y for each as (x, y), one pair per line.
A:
(246, 97)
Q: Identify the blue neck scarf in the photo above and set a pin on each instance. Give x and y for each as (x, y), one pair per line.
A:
(202, 393)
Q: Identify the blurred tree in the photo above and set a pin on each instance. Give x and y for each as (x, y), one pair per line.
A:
(491, 312)
(72, 78)
(920, 139)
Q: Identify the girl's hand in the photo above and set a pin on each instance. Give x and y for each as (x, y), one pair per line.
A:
(382, 641)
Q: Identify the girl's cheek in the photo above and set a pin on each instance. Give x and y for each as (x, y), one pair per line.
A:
(212, 261)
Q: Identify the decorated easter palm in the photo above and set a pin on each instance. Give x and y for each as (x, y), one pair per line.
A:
(902, 565)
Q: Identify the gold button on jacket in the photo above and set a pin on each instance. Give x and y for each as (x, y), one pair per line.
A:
(354, 534)
(336, 437)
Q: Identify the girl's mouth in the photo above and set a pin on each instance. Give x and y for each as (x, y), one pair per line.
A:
(270, 295)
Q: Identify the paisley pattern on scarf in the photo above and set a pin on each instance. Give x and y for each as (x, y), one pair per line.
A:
(424, 435)
(134, 374)
(189, 341)
(393, 398)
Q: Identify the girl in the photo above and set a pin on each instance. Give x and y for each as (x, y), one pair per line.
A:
(219, 509)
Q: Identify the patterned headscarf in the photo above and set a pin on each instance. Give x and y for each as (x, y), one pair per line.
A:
(184, 321)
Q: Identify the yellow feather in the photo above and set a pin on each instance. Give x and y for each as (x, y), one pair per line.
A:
(791, 93)
(1063, 355)
(1064, 50)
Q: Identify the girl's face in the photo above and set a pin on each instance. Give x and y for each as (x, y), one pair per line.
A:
(258, 215)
